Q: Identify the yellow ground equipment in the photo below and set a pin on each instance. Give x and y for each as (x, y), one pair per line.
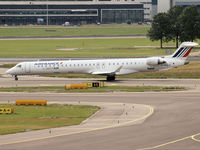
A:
(31, 102)
(95, 84)
(6, 110)
(76, 86)
(102, 84)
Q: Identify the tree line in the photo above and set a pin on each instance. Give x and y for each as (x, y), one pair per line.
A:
(178, 24)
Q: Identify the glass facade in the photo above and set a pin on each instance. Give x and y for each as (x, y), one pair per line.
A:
(41, 20)
(58, 14)
(122, 16)
(154, 2)
(34, 12)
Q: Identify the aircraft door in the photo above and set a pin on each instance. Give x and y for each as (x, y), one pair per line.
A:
(27, 67)
(56, 65)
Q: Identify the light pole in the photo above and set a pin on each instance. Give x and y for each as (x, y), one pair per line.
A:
(47, 14)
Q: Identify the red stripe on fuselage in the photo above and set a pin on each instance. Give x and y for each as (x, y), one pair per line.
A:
(188, 52)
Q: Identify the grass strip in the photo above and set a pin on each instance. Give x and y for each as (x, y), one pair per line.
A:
(61, 89)
(100, 48)
(7, 65)
(26, 118)
(73, 31)
(97, 48)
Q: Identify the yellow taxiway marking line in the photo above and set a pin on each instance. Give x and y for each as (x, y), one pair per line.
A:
(193, 137)
(172, 142)
(151, 111)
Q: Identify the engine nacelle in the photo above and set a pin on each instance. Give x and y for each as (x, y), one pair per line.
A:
(155, 61)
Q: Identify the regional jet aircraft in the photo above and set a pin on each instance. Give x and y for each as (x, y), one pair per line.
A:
(105, 67)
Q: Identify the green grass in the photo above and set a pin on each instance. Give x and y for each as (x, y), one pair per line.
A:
(61, 89)
(106, 47)
(74, 31)
(111, 47)
(42, 117)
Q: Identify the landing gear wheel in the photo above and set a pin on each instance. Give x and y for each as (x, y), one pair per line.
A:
(16, 78)
(110, 78)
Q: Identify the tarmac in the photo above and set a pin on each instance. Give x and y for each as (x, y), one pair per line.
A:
(127, 121)
(173, 125)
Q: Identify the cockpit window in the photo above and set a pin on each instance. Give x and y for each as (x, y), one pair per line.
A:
(19, 66)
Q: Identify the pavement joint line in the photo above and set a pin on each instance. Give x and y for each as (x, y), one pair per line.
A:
(151, 111)
(172, 142)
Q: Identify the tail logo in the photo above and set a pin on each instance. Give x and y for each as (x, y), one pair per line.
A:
(183, 52)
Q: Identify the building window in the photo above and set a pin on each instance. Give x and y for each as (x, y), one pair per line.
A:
(122, 15)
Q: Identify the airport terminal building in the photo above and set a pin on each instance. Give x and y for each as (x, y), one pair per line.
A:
(59, 12)
(165, 5)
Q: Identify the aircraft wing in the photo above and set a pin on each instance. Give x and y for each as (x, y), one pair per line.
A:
(107, 72)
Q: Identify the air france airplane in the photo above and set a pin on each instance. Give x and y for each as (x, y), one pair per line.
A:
(105, 67)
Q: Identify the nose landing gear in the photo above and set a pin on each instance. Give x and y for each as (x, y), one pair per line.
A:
(16, 78)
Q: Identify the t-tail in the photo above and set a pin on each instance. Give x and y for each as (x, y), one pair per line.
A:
(184, 50)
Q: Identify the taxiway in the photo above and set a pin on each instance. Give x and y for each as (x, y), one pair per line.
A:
(174, 123)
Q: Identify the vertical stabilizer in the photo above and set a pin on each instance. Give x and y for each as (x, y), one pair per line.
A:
(184, 50)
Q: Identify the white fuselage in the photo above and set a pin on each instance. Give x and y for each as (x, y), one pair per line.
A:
(97, 66)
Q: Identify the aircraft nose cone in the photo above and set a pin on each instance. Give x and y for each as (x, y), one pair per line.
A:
(8, 71)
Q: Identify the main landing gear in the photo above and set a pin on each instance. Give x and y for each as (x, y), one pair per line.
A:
(16, 78)
(110, 78)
